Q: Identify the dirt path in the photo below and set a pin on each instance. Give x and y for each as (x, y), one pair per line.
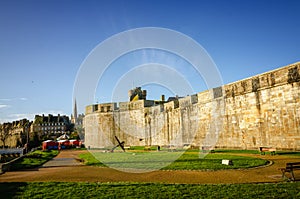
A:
(72, 171)
(64, 158)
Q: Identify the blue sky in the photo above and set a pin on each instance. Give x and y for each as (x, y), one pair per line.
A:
(43, 43)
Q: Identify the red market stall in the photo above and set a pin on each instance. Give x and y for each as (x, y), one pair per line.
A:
(63, 144)
(75, 143)
(49, 144)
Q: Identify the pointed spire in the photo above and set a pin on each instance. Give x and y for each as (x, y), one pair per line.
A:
(75, 111)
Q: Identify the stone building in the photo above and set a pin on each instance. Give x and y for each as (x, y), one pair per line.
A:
(15, 134)
(77, 122)
(76, 119)
(74, 115)
(51, 125)
(263, 110)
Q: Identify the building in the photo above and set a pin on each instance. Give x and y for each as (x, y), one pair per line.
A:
(263, 110)
(50, 125)
(15, 134)
(77, 122)
(18, 133)
(74, 116)
(76, 119)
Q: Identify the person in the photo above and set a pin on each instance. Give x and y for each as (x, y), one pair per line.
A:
(25, 149)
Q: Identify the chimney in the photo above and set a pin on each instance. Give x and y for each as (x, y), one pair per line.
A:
(144, 94)
(162, 98)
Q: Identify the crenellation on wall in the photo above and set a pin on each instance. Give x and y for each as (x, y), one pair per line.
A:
(205, 96)
(89, 109)
(168, 106)
(287, 74)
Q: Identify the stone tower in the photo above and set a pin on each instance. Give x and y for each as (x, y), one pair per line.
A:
(137, 94)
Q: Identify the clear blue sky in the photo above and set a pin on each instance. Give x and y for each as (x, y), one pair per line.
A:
(43, 43)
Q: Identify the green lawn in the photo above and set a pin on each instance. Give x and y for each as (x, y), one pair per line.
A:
(289, 153)
(188, 160)
(237, 151)
(191, 161)
(147, 190)
(34, 159)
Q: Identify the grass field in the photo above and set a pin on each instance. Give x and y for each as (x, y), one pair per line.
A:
(34, 159)
(147, 190)
(188, 160)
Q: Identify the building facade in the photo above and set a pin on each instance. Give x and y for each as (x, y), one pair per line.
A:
(51, 125)
(15, 134)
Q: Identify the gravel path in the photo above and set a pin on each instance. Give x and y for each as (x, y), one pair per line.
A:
(64, 168)
(64, 158)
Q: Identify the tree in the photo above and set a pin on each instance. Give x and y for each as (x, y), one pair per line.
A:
(4, 132)
(34, 141)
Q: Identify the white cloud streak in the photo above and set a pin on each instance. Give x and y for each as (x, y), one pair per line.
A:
(13, 99)
(4, 106)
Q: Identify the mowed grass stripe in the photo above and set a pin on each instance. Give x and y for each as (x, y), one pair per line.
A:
(147, 190)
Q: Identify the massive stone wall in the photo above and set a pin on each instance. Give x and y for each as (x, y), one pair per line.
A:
(263, 110)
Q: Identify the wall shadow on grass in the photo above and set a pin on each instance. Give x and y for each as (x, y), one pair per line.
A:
(11, 189)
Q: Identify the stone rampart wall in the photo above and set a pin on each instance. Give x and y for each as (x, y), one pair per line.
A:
(263, 110)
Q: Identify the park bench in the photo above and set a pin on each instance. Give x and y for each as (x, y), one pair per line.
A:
(289, 168)
(16, 155)
(172, 148)
(209, 149)
(264, 149)
(6, 157)
(79, 159)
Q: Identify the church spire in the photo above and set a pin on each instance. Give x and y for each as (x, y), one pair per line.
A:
(75, 112)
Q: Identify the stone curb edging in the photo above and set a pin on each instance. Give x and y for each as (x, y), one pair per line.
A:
(6, 166)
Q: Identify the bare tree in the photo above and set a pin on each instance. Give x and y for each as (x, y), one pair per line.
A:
(4, 132)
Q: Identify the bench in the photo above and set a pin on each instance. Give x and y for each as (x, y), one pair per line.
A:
(264, 149)
(79, 159)
(172, 148)
(289, 168)
(209, 149)
(8, 157)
